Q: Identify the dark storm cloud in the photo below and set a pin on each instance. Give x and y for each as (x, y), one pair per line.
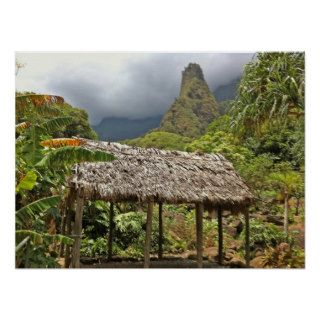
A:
(141, 87)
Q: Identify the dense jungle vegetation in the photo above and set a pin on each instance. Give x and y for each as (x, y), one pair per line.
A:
(261, 131)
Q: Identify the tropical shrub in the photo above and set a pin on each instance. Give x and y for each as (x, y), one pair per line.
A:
(272, 87)
(264, 234)
(160, 140)
(283, 256)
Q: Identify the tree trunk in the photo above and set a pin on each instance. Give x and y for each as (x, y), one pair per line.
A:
(63, 230)
(286, 217)
(67, 259)
(147, 245)
(77, 232)
(111, 227)
(220, 236)
(297, 206)
(247, 237)
(199, 231)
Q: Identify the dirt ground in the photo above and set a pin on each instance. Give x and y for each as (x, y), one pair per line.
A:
(172, 262)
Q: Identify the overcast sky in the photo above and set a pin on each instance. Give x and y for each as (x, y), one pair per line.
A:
(131, 85)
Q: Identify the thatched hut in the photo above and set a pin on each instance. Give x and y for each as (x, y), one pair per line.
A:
(156, 176)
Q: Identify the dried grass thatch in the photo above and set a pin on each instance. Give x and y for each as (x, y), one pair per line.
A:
(140, 174)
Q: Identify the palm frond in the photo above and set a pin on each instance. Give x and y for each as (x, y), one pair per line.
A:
(35, 237)
(38, 238)
(22, 243)
(56, 123)
(71, 155)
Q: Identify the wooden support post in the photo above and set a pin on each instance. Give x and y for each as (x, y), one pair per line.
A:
(77, 232)
(247, 240)
(160, 252)
(111, 227)
(67, 253)
(147, 245)
(63, 230)
(220, 236)
(199, 231)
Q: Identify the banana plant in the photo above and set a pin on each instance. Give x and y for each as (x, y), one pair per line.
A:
(42, 164)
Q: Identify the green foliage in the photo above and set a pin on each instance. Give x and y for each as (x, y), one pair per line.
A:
(33, 249)
(264, 234)
(94, 247)
(223, 143)
(272, 87)
(129, 227)
(283, 256)
(222, 123)
(225, 106)
(284, 142)
(129, 234)
(78, 126)
(67, 121)
(40, 238)
(56, 123)
(41, 172)
(287, 182)
(180, 230)
(28, 181)
(255, 171)
(160, 140)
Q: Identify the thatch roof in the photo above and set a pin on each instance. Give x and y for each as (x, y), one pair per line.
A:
(140, 174)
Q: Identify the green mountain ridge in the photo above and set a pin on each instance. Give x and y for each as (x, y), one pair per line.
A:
(115, 129)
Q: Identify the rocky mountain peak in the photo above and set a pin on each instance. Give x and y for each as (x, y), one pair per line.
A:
(193, 70)
(195, 107)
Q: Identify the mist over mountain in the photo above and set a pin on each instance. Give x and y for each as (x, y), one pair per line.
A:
(227, 91)
(122, 85)
(120, 128)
